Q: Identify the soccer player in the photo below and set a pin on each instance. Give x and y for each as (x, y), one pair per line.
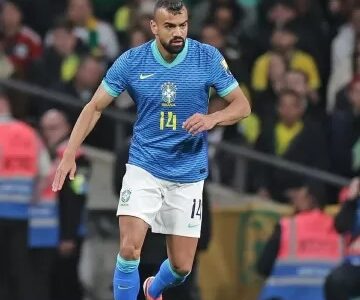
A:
(169, 79)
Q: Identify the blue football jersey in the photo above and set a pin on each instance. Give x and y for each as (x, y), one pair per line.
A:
(166, 95)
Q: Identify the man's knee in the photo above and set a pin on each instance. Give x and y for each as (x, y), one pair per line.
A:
(182, 268)
(129, 252)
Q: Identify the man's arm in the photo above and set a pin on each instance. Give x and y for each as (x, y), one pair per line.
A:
(238, 108)
(84, 125)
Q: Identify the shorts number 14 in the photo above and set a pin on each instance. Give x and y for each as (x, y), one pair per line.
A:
(167, 120)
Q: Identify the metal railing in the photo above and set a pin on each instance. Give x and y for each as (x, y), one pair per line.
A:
(236, 150)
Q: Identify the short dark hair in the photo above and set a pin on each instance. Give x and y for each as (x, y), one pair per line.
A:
(62, 23)
(173, 6)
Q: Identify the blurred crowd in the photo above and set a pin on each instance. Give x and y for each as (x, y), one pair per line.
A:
(298, 62)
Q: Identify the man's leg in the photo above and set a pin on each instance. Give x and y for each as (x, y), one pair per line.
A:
(5, 251)
(19, 260)
(188, 290)
(343, 283)
(174, 270)
(126, 283)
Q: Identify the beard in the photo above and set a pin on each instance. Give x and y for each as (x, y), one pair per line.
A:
(173, 48)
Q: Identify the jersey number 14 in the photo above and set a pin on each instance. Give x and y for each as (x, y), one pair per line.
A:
(167, 120)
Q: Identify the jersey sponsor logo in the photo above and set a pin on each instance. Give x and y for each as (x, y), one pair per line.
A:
(168, 94)
(146, 76)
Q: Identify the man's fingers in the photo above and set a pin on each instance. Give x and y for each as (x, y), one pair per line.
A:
(200, 129)
(191, 121)
(196, 127)
(72, 173)
(58, 180)
(55, 184)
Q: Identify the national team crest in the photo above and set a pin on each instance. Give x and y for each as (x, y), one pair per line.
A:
(125, 195)
(168, 94)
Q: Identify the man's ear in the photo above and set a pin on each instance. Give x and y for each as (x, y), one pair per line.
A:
(154, 27)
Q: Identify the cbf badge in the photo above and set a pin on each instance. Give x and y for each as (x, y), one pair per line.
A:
(125, 197)
(168, 94)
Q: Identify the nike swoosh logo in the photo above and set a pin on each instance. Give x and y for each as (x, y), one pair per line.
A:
(193, 225)
(142, 76)
(124, 288)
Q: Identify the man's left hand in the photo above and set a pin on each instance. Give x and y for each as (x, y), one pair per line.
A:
(198, 123)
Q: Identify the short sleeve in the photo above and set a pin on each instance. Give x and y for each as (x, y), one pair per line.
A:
(116, 78)
(221, 78)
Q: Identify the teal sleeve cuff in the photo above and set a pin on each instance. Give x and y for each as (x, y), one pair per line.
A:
(228, 90)
(108, 89)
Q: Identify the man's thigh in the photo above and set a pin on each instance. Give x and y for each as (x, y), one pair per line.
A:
(181, 211)
(140, 195)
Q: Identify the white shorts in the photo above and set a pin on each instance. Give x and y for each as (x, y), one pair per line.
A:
(168, 207)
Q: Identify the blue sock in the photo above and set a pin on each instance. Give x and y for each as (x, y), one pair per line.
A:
(126, 283)
(165, 278)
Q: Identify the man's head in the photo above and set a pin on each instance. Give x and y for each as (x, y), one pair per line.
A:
(64, 38)
(11, 18)
(79, 11)
(297, 81)
(170, 24)
(281, 12)
(54, 127)
(89, 73)
(291, 107)
(138, 37)
(211, 34)
(306, 196)
(224, 18)
(284, 39)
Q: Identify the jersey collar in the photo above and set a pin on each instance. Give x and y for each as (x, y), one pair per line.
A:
(179, 58)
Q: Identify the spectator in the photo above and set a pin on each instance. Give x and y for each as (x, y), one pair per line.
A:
(61, 59)
(293, 138)
(297, 81)
(302, 249)
(23, 160)
(265, 100)
(345, 134)
(21, 43)
(212, 35)
(85, 83)
(344, 281)
(125, 17)
(226, 17)
(204, 12)
(284, 41)
(43, 236)
(342, 52)
(72, 199)
(96, 34)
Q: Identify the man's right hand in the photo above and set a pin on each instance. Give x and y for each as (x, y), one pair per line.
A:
(66, 166)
